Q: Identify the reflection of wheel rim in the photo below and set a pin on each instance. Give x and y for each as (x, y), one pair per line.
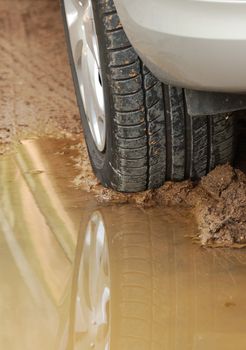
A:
(93, 293)
(85, 52)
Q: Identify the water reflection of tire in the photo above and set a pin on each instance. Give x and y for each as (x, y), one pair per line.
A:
(164, 292)
(135, 313)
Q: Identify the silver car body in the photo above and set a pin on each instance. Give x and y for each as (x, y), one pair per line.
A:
(198, 44)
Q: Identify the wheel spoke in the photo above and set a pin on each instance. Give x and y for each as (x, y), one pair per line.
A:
(76, 32)
(94, 107)
(85, 51)
(90, 32)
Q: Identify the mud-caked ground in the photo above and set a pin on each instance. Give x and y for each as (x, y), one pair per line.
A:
(37, 99)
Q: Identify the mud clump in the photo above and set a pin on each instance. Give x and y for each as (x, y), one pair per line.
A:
(221, 216)
(218, 202)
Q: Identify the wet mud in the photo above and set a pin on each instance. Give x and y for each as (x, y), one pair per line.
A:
(78, 274)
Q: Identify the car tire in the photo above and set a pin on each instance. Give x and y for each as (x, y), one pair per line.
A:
(150, 138)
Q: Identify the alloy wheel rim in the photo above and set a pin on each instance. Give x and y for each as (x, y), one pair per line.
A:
(85, 52)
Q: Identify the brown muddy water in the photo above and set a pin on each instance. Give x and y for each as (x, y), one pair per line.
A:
(76, 274)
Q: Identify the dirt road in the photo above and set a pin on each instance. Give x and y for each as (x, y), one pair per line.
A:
(36, 91)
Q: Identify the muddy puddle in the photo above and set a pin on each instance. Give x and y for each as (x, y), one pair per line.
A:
(77, 274)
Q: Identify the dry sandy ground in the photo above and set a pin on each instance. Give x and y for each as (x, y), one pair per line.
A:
(36, 92)
(37, 98)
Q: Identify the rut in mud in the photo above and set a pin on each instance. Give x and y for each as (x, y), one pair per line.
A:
(37, 98)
